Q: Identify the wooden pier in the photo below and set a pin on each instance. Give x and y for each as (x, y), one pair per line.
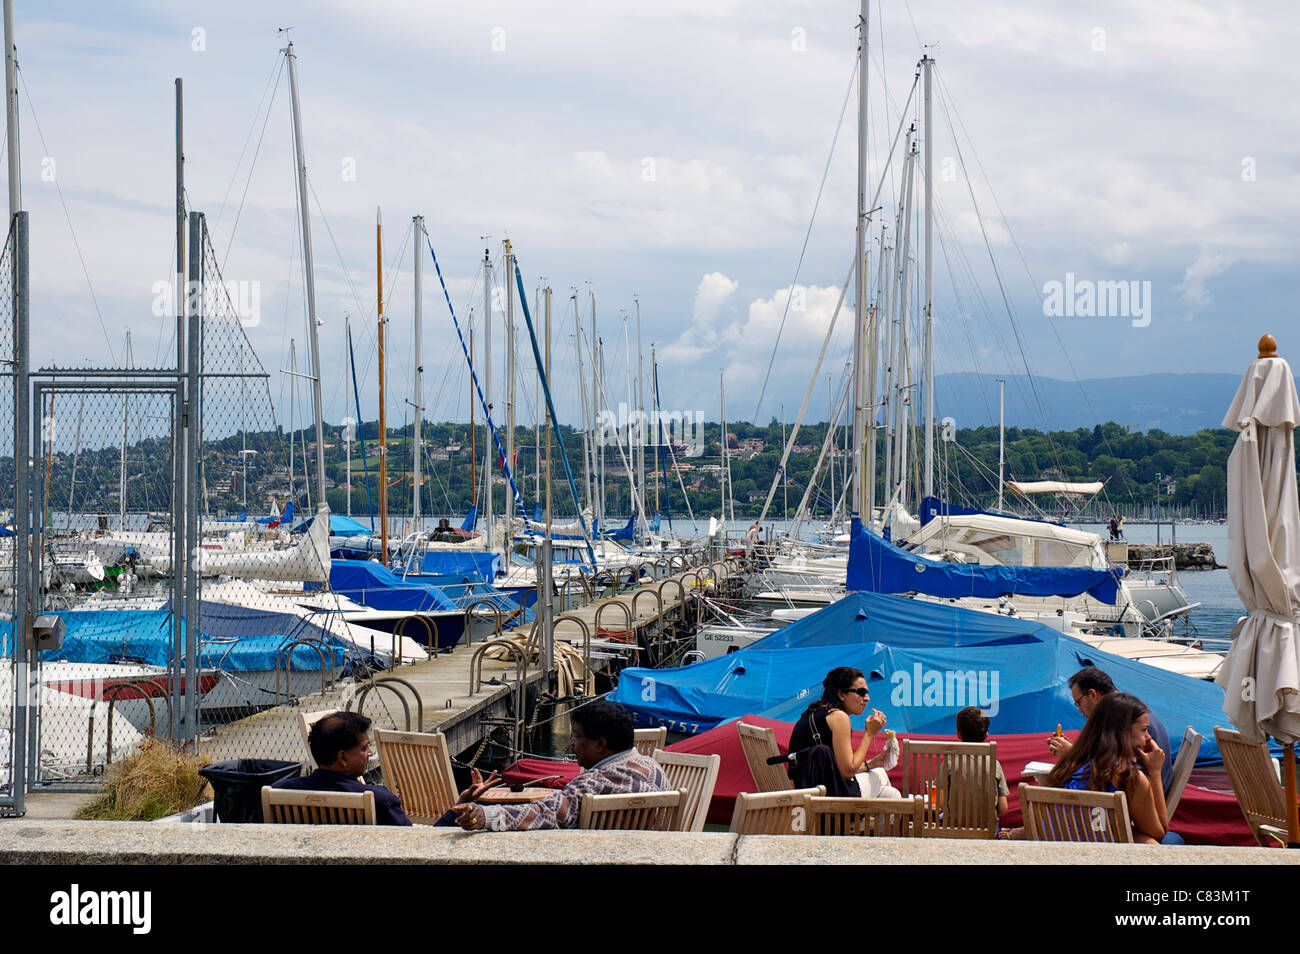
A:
(489, 683)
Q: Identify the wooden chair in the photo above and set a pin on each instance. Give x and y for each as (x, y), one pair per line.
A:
(648, 811)
(773, 813)
(647, 740)
(963, 779)
(879, 817)
(759, 744)
(1259, 793)
(305, 721)
(1067, 814)
(282, 806)
(417, 766)
(696, 775)
(1187, 753)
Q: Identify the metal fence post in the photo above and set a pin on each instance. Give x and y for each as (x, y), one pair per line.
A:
(25, 716)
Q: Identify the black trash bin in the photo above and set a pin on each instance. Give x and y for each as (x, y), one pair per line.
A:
(237, 785)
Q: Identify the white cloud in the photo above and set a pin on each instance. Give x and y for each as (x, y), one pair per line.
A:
(1116, 254)
(1191, 290)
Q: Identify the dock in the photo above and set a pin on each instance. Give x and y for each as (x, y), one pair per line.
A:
(493, 684)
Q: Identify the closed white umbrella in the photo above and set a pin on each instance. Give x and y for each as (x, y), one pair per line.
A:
(1261, 676)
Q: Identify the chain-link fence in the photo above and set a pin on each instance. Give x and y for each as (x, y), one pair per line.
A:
(10, 644)
(104, 508)
(276, 638)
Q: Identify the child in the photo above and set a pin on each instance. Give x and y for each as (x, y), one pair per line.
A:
(973, 726)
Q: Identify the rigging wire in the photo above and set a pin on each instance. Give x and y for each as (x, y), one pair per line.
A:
(68, 216)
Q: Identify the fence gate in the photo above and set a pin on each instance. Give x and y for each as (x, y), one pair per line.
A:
(104, 500)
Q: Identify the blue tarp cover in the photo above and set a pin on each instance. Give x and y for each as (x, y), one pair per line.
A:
(111, 636)
(878, 566)
(340, 526)
(478, 565)
(924, 663)
(376, 586)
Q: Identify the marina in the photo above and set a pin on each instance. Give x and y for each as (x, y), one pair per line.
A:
(471, 472)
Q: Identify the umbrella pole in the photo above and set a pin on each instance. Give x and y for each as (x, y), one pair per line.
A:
(1292, 811)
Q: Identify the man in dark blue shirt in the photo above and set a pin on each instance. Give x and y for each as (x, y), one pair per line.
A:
(340, 744)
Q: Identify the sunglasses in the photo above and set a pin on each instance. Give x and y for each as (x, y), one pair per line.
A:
(861, 692)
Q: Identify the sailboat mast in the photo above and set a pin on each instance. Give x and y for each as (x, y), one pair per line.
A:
(863, 503)
(641, 423)
(383, 414)
(928, 63)
(487, 388)
(347, 415)
(588, 434)
(473, 432)
(417, 223)
(293, 420)
(313, 339)
(508, 513)
(121, 484)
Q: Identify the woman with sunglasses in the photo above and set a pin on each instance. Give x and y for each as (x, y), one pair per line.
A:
(1115, 752)
(825, 723)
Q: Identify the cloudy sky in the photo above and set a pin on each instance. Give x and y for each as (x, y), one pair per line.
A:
(673, 152)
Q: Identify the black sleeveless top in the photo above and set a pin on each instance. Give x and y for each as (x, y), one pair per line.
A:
(818, 767)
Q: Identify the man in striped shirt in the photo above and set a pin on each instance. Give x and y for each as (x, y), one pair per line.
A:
(603, 743)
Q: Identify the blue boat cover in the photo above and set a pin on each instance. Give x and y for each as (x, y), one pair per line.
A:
(286, 516)
(340, 526)
(471, 518)
(625, 533)
(478, 565)
(144, 636)
(919, 674)
(932, 507)
(371, 584)
(881, 567)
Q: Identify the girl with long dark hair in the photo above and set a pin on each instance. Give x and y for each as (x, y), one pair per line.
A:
(1114, 753)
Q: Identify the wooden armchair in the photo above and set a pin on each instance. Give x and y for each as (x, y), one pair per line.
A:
(648, 811)
(759, 744)
(305, 721)
(696, 775)
(647, 740)
(281, 806)
(1187, 753)
(1067, 814)
(1259, 793)
(963, 779)
(879, 817)
(417, 766)
(773, 813)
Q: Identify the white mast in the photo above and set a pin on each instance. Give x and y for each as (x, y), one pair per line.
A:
(489, 448)
(1002, 433)
(348, 421)
(309, 273)
(11, 113)
(643, 525)
(928, 63)
(509, 511)
(862, 493)
(129, 361)
(588, 433)
(416, 476)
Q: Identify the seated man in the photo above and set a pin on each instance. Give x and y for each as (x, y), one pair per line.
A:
(1088, 686)
(340, 744)
(603, 742)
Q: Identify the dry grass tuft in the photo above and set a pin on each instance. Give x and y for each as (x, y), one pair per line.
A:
(157, 780)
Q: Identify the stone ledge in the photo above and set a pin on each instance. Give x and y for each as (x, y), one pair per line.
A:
(41, 842)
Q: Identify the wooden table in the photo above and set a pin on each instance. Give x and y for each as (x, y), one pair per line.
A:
(503, 795)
